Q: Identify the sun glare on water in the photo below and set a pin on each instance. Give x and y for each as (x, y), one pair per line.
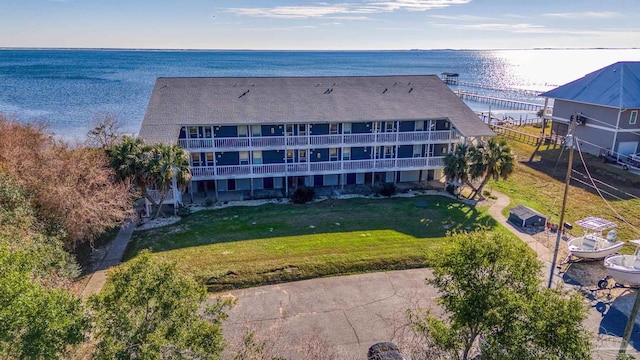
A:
(545, 69)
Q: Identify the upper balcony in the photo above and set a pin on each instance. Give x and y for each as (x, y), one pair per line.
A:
(279, 142)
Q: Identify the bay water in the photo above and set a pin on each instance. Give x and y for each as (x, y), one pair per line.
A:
(68, 88)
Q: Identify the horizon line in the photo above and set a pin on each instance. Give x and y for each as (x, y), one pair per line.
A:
(308, 50)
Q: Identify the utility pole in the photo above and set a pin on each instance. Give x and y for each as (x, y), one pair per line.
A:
(569, 141)
(630, 322)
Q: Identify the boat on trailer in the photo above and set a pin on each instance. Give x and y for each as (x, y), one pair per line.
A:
(624, 269)
(592, 245)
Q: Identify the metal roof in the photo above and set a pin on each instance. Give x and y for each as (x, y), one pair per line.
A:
(616, 86)
(524, 212)
(263, 100)
(596, 224)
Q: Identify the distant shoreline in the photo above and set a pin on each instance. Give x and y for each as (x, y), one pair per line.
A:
(293, 50)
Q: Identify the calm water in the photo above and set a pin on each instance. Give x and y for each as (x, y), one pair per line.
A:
(69, 88)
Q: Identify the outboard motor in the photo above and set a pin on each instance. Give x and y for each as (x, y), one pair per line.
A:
(612, 235)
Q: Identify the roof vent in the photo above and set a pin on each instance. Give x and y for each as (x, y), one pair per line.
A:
(243, 94)
(385, 90)
(410, 90)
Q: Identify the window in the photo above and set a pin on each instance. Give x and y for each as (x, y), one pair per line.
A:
(256, 130)
(389, 126)
(346, 154)
(289, 156)
(244, 158)
(210, 159)
(333, 128)
(417, 150)
(288, 130)
(419, 126)
(207, 132)
(193, 132)
(302, 129)
(333, 154)
(257, 157)
(302, 155)
(633, 118)
(346, 128)
(242, 131)
(388, 152)
(195, 159)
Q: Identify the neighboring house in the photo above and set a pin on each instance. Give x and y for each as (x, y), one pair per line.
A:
(606, 103)
(279, 133)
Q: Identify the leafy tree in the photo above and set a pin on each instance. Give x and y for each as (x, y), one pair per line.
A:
(491, 292)
(150, 167)
(492, 160)
(36, 322)
(39, 318)
(149, 310)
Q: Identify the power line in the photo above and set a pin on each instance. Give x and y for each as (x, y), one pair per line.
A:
(600, 193)
(609, 186)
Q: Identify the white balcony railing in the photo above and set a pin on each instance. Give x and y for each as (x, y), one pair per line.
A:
(309, 168)
(316, 140)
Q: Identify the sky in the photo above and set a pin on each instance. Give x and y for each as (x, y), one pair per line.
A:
(320, 25)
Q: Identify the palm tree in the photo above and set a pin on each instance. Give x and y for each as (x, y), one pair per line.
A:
(492, 160)
(168, 167)
(456, 164)
(150, 167)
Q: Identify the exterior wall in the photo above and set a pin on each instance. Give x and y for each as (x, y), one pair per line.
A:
(276, 156)
(598, 132)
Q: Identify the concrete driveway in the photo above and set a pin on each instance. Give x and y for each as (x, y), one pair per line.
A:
(348, 313)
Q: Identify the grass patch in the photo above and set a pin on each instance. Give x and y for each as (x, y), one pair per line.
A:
(247, 246)
(540, 185)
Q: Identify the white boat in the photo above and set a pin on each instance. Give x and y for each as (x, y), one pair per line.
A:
(624, 269)
(591, 245)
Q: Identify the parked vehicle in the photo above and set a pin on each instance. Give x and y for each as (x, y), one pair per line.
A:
(626, 161)
(384, 351)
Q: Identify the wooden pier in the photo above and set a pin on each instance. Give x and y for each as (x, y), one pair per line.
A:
(504, 103)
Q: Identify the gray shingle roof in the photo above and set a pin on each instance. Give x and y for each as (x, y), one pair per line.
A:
(617, 86)
(263, 100)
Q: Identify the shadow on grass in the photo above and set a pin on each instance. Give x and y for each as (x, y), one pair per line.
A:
(553, 162)
(238, 247)
(409, 216)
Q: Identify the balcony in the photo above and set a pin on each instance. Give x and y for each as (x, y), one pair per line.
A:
(311, 168)
(280, 142)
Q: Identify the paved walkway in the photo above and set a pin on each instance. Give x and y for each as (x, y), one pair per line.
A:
(112, 258)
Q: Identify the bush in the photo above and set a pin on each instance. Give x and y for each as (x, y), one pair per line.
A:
(208, 202)
(303, 195)
(451, 189)
(387, 189)
(183, 211)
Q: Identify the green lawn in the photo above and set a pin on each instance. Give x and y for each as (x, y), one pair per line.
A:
(533, 185)
(246, 246)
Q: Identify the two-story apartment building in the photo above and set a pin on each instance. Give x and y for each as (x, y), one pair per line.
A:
(279, 133)
(606, 103)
